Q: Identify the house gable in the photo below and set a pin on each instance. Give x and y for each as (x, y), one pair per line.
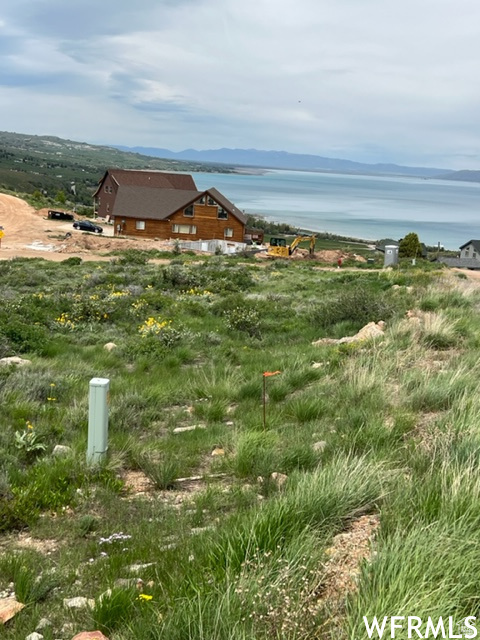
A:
(470, 249)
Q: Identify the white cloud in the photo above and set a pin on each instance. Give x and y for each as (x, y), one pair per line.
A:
(373, 80)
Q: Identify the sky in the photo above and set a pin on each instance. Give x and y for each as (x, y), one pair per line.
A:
(364, 80)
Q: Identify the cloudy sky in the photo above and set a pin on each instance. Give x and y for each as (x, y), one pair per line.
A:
(365, 80)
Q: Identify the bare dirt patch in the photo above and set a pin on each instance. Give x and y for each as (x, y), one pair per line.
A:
(30, 234)
(24, 540)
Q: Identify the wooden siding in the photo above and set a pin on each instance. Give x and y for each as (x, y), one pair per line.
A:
(205, 218)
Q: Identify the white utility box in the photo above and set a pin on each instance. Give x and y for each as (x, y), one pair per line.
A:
(98, 419)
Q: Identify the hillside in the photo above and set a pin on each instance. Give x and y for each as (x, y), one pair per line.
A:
(285, 160)
(49, 164)
(289, 449)
(463, 176)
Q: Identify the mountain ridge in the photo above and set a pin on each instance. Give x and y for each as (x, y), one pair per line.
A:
(271, 159)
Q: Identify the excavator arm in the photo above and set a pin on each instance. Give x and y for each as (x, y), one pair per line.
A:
(299, 239)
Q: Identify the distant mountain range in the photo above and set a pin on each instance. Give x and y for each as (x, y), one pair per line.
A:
(297, 161)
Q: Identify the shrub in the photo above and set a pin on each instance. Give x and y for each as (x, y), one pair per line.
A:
(256, 454)
(244, 319)
(134, 256)
(22, 570)
(114, 609)
(358, 305)
(73, 261)
(162, 471)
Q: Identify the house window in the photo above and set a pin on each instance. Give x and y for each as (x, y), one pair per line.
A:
(474, 254)
(467, 252)
(222, 214)
(201, 201)
(108, 207)
(188, 211)
(184, 228)
(228, 233)
(106, 189)
(211, 202)
(140, 225)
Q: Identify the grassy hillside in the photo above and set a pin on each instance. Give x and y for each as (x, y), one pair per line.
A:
(352, 491)
(49, 164)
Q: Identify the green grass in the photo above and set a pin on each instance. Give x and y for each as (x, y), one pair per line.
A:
(224, 550)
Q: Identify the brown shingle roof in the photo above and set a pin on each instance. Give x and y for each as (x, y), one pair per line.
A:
(158, 204)
(155, 179)
(151, 204)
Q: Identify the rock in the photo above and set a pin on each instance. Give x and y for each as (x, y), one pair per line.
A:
(110, 346)
(8, 608)
(319, 446)
(279, 478)
(61, 451)
(78, 603)
(34, 636)
(191, 428)
(20, 362)
(67, 628)
(370, 331)
(135, 568)
(229, 423)
(218, 451)
(44, 623)
(90, 635)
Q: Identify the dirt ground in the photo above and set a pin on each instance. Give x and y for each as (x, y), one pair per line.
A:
(30, 234)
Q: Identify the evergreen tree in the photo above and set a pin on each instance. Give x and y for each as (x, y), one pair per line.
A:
(410, 246)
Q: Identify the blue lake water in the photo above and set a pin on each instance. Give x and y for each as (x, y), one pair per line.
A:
(368, 207)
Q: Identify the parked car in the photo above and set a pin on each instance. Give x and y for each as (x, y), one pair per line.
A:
(60, 215)
(86, 225)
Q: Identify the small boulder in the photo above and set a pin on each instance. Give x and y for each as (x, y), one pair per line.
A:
(79, 602)
(190, 428)
(135, 568)
(218, 451)
(19, 362)
(110, 346)
(279, 478)
(34, 636)
(8, 608)
(44, 623)
(90, 635)
(61, 451)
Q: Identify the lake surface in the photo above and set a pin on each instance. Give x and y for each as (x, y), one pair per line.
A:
(368, 207)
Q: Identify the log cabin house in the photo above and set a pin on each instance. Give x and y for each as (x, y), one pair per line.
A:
(156, 204)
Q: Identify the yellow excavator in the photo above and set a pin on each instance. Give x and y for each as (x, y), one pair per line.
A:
(280, 249)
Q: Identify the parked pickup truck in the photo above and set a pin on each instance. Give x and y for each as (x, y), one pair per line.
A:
(60, 215)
